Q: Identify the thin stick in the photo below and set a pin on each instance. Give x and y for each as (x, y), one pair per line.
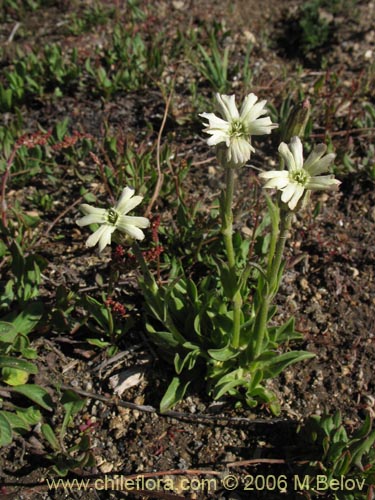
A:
(159, 182)
(6, 175)
(13, 32)
(62, 214)
(171, 414)
(345, 132)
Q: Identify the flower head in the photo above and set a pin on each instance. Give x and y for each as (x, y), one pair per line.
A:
(114, 218)
(235, 128)
(301, 176)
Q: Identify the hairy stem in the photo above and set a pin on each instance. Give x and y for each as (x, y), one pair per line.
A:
(227, 232)
(272, 284)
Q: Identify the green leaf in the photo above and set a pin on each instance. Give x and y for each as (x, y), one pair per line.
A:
(268, 397)
(165, 339)
(228, 382)
(18, 260)
(97, 311)
(197, 325)
(85, 443)
(187, 362)
(343, 465)
(19, 364)
(36, 393)
(335, 451)
(192, 290)
(228, 279)
(5, 431)
(362, 448)
(48, 433)
(73, 404)
(27, 320)
(30, 415)
(224, 354)
(14, 377)
(337, 419)
(220, 390)
(364, 430)
(98, 343)
(175, 392)
(29, 353)
(7, 333)
(279, 363)
(17, 423)
(285, 332)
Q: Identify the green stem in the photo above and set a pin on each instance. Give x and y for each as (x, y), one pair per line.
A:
(147, 276)
(274, 212)
(227, 232)
(272, 284)
(227, 217)
(285, 223)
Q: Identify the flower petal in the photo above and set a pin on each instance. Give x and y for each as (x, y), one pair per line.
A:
(218, 128)
(122, 203)
(298, 193)
(132, 231)
(288, 192)
(105, 238)
(287, 155)
(92, 219)
(125, 220)
(315, 155)
(261, 126)
(274, 173)
(96, 236)
(89, 209)
(227, 106)
(277, 181)
(322, 182)
(297, 152)
(123, 207)
(239, 151)
(322, 165)
(217, 138)
(247, 106)
(256, 111)
(214, 122)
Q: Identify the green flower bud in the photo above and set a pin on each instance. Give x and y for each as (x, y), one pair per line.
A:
(296, 122)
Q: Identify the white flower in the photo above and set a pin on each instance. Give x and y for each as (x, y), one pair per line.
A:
(114, 218)
(236, 128)
(300, 176)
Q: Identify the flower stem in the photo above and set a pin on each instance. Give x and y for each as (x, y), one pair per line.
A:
(272, 285)
(227, 217)
(227, 232)
(273, 277)
(147, 276)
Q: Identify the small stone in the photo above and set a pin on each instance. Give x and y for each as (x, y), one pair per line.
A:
(178, 4)
(106, 467)
(250, 37)
(355, 272)
(304, 284)
(368, 54)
